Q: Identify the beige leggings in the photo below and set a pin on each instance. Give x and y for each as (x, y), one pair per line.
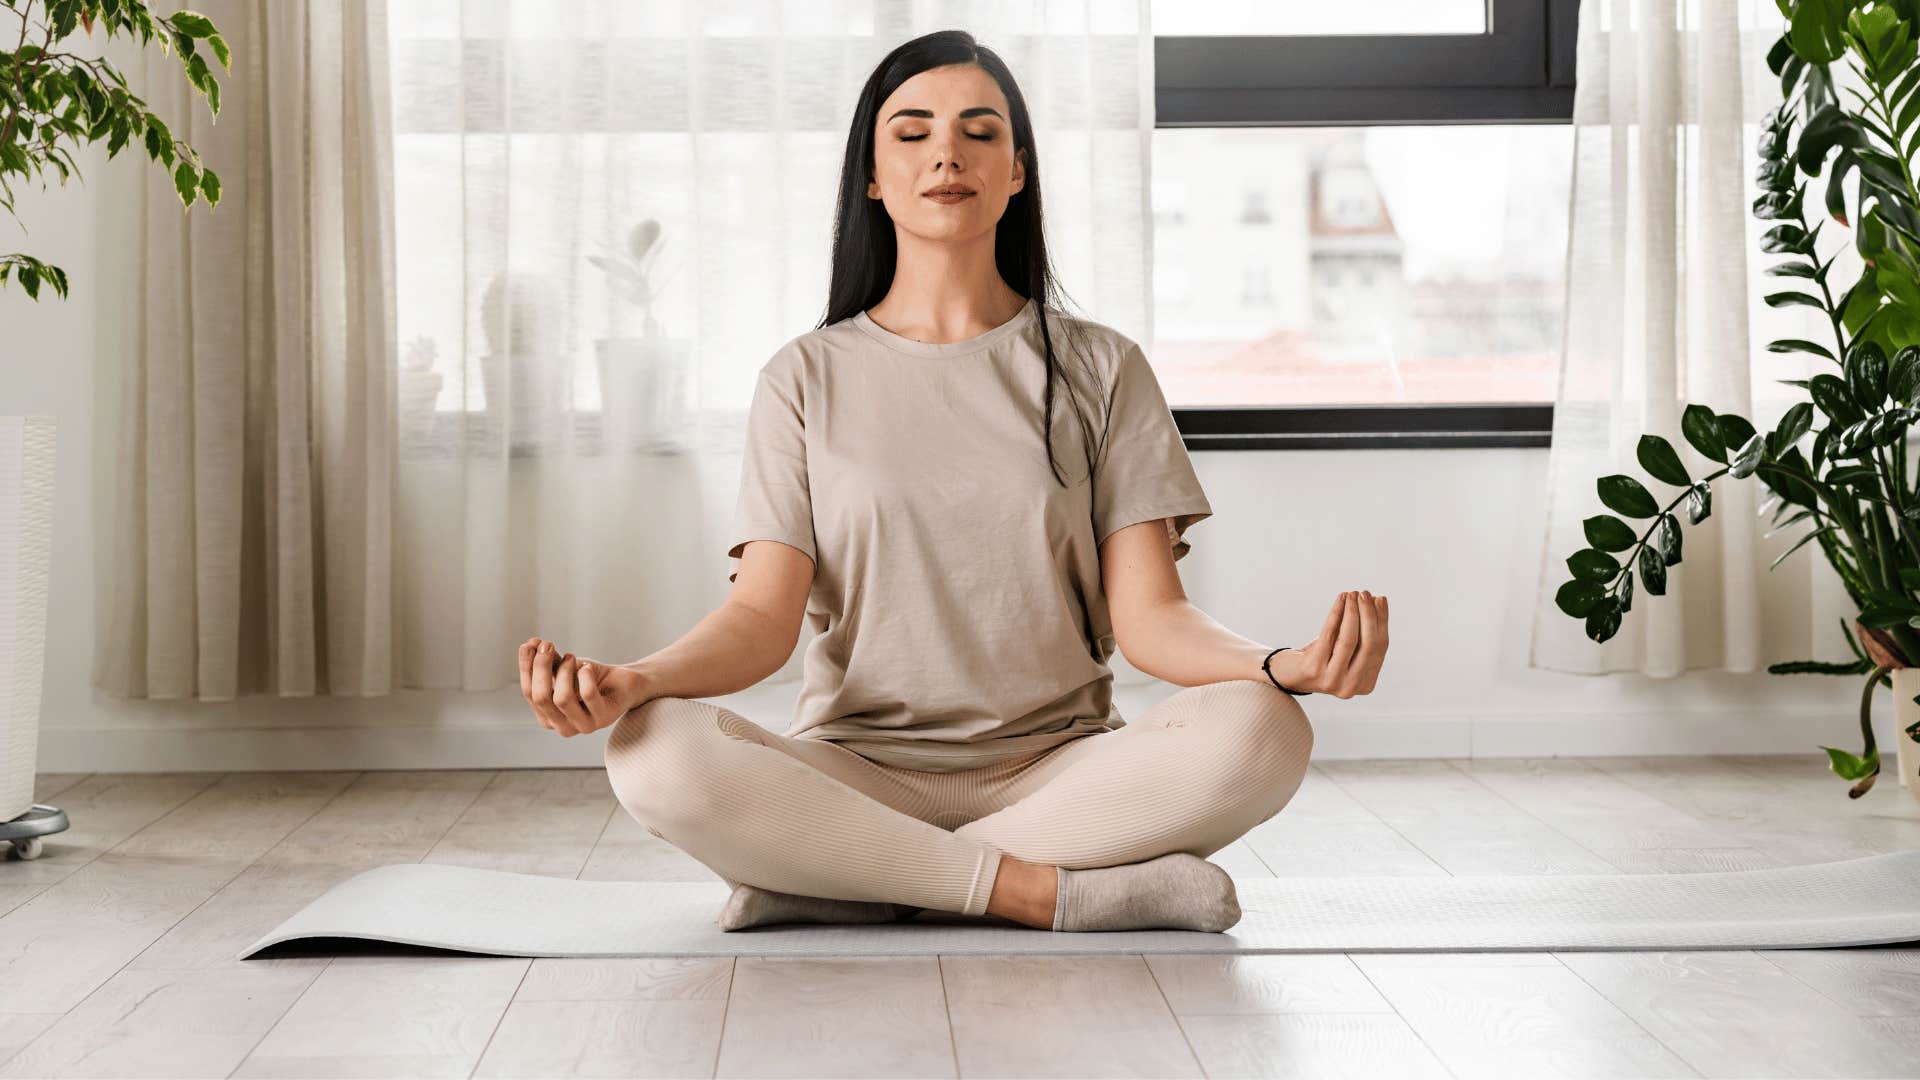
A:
(1192, 773)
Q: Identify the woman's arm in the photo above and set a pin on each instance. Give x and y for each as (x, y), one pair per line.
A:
(741, 642)
(1157, 628)
(1163, 634)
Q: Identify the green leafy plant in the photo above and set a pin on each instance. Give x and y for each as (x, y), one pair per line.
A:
(1852, 493)
(52, 101)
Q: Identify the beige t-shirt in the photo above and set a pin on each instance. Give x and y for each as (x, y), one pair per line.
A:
(956, 593)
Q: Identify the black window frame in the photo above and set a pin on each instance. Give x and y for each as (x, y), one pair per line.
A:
(1520, 71)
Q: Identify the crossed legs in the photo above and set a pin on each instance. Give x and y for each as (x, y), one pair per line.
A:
(1192, 773)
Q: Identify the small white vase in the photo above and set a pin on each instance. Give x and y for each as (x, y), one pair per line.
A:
(1906, 685)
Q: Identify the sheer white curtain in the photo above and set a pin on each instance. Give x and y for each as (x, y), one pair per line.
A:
(1664, 308)
(609, 216)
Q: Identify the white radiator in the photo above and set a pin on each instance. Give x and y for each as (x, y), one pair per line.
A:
(26, 532)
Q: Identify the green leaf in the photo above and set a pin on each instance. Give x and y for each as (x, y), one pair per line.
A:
(159, 139)
(1868, 475)
(1793, 425)
(1578, 596)
(1782, 299)
(1866, 368)
(1661, 462)
(1797, 544)
(1702, 432)
(1653, 571)
(1834, 398)
(1788, 238)
(1882, 616)
(1609, 533)
(1623, 494)
(1903, 375)
(192, 24)
(1850, 767)
(1603, 619)
(1699, 502)
(1798, 345)
(1735, 430)
(220, 51)
(1748, 457)
(210, 187)
(187, 183)
(1787, 524)
(1666, 537)
(30, 281)
(1593, 565)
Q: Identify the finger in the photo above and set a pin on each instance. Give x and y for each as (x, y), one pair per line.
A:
(566, 696)
(543, 685)
(1361, 674)
(593, 693)
(1341, 657)
(526, 667)
(1332, 624)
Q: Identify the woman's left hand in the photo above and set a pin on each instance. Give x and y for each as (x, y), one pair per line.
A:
(1344, 661)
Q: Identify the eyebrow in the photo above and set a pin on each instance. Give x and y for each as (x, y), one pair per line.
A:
(927, 114)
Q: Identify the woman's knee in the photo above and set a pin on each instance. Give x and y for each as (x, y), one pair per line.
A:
(1263, 726)
(660, 758)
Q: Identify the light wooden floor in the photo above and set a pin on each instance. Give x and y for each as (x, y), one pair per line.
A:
(116, 945)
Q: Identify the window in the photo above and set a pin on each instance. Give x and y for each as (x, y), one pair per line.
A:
(1370, 237)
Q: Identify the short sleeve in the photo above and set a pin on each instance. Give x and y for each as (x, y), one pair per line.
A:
(1143, 471)
(774, 501)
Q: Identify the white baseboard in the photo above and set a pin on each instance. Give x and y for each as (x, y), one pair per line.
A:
(1350, 734)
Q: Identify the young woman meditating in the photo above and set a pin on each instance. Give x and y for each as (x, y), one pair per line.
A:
(955, 745)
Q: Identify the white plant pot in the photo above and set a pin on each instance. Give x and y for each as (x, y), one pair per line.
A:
(1906, 685)
(642, 393)
(26, 551)
(527, 395)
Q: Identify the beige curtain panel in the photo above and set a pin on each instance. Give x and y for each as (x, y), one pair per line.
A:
(246, 499)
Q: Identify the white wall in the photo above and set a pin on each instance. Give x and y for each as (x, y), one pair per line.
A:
(1449, 535)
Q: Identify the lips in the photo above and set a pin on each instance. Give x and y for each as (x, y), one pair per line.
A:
(949, 196)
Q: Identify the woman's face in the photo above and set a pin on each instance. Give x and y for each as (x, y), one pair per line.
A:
(947, 126)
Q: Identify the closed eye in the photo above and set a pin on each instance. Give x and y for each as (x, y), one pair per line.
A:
(917, 138)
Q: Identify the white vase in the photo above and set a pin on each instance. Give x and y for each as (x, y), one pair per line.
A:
(26, 539)
(1906, 685)
(642, 393)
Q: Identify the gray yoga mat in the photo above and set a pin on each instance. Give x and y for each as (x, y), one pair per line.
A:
(1866, 901)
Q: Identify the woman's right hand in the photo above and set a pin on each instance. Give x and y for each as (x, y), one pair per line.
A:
(573, 695)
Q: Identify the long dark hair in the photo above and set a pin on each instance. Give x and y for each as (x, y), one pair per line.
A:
(864, 248)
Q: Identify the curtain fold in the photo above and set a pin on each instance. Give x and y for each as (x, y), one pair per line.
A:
(464, 355)
(1665, 287)
(249, 494)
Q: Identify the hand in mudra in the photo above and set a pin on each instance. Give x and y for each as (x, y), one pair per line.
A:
(573, 695)
(1345, 659)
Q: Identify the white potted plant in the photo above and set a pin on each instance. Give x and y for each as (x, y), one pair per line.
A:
(643, 378)
(57, 100)
(1851, 489)
(523, 371)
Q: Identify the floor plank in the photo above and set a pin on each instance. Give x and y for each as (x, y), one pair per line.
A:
(855, 1016)
(1062, 1016)
(615, 1016)
(390, 1016)
(1731, 1013)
